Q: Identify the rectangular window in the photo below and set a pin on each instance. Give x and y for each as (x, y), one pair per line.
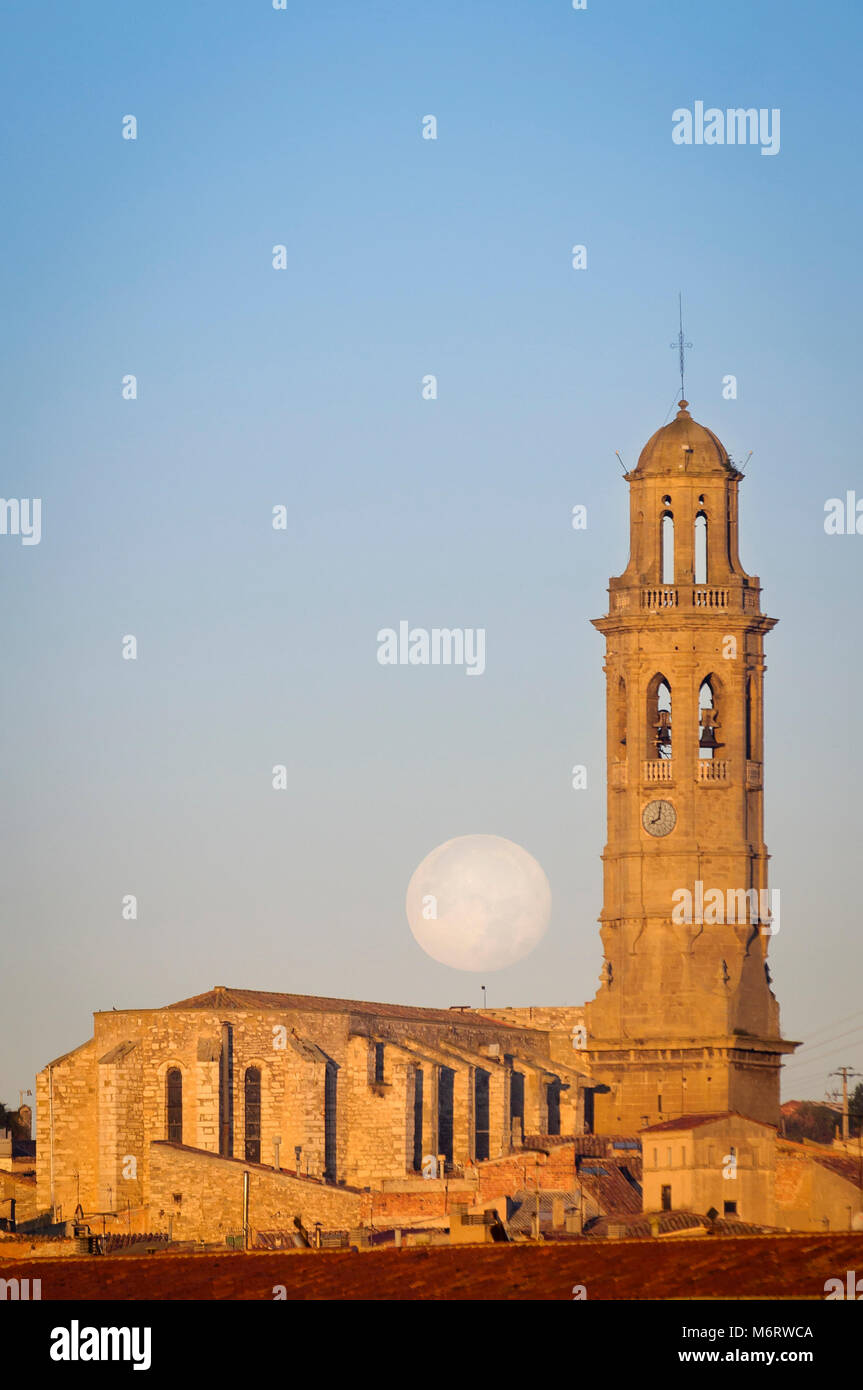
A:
(226, 1092)
(418, 1120)
(730, 1208)
(379, 1062)
(552, 1106)
(252, 1107)
(174, 1106)
(330, 1097)
(446, 1083)
(481, 1114)
(666, 1197)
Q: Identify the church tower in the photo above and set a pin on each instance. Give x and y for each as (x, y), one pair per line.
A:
(685, 1021)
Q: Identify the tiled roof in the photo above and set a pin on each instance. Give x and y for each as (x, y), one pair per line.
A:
(521, 1221)
(843, 1165)
(632, 1225)
(614, 1187)
(693, 1121)
(765, 1266)
(667, 1222)
(221, 998)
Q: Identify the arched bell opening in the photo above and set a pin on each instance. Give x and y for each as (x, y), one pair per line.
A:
(700, 548)
(708, 717)
(659, 717)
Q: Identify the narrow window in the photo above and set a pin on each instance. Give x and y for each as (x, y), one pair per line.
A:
(379, 1061)
(446, 1080)
(700, 548)
(516, 1107)
(668, 1158)
(666, 1197)
(589, 1107)
(174, 1106)
(226, 1092)
(252, 1096)
(659, 1104)
(552, 1104)
(481, 1114)
(667, 547)
(750, 739)
(330, 1122)
(621, 716)
(418, 1120)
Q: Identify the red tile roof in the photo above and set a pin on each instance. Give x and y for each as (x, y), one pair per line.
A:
(786, 1266)
(693, 1121)
(221, 998)
(843, 1165)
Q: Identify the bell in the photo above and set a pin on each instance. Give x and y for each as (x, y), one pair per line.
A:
(708, 739)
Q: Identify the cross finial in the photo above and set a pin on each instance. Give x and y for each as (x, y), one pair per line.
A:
(681, 345)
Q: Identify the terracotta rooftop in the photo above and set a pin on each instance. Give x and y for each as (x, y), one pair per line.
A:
(667, 1222)
(693, 1121)
(786, 1266)
(221, 998)
(843, 1165)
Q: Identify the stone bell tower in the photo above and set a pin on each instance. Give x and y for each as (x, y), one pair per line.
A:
(684, 1020)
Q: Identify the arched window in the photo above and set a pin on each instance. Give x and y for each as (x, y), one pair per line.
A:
(708, 717)
(667, 548)
(252, 1095)
(700, 548)
(330, 1112)
(659, 718)
(174, 1105)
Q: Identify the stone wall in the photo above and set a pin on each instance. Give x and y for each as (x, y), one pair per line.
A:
(810, 1197)
(199, 1196)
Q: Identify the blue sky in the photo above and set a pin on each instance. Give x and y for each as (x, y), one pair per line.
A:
(302, 387)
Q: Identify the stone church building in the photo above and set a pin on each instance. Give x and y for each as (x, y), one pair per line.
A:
(329, 1094)
(353, 1114)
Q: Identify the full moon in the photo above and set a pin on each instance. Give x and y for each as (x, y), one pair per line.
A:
(478, 903)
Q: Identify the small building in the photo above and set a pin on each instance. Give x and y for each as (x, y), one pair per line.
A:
(721, 1164)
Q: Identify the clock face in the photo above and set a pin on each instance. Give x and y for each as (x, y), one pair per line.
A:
(659, 817)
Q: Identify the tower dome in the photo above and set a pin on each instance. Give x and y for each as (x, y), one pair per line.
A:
(684, 446)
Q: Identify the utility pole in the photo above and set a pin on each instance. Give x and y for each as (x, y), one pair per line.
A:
(845, 1072)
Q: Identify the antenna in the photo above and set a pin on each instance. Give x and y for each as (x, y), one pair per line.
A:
(681, 345)
(620, 460)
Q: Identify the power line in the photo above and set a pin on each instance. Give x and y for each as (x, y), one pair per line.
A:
(828, 1043)
(858, 1013)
